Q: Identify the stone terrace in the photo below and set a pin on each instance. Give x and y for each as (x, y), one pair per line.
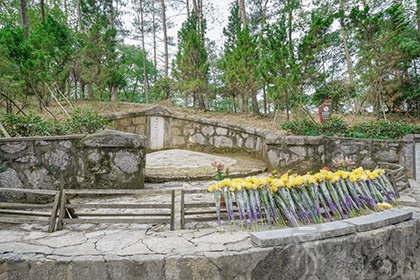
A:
(203, 252)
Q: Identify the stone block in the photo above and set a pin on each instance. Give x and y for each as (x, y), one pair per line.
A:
(207, 130)
(10, 179)
(249, 143)
(381, 219)
(222, 141)
(301, 234)
(127, 162)
(112, 139)
(14, 147)
(221, 131)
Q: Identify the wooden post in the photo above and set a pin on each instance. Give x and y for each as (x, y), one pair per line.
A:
(182, 209)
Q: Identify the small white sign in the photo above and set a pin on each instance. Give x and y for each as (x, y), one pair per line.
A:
(157, 133)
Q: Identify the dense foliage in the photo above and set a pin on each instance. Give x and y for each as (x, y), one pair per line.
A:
(80, 122)
(275, 56)
(336, 127)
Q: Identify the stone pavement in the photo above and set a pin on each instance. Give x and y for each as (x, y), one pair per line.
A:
(184, 165)
(202, 252)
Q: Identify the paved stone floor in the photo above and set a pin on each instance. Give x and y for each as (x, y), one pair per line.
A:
(136, 242)
(184, 165)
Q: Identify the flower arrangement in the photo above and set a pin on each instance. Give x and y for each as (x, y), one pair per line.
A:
(343, 164)
(292, 199)
(218, 168)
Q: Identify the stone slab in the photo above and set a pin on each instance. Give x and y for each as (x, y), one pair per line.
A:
(380, 219)
(301, 234)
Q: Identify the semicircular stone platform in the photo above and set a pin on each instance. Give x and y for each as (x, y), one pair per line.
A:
(383, 245)
(185, 165)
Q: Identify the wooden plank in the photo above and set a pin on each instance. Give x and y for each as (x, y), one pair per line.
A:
(117, 192)
(198, 205)
(46, 192)
(183, 209)
(123, 214)
(116, 221)
(62, 211)
(201, 219)
(22, 220)
(23, 212)
(117, 206)
(54, 210)
(173, 210)
(200, 212)
(195, 191)
(9, 205)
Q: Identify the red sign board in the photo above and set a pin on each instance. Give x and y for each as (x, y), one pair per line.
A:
(324, 110)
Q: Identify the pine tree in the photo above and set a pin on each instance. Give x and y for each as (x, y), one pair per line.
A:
(191, 65)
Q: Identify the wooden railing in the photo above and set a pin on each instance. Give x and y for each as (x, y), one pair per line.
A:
(200, 211)
(100, 211)
(29, 211)
(397, 175)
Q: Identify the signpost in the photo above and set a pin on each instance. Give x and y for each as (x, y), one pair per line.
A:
(324, 110)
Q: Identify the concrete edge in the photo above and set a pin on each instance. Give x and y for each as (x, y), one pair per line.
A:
(328, 230)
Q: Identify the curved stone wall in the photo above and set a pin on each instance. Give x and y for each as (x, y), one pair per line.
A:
(391, 252)
(103, 160)
(300, 153)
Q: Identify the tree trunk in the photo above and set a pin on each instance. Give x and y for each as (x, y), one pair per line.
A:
(89, 91)
(242, 12)
(79, 16)
(188, 8)
(343, 34)
(418, 19)
(154, 37)
(66, 12)
(145, 78)
(24, 17)
(165, 38)
(42, 6)
(110, 14)
(254, 102)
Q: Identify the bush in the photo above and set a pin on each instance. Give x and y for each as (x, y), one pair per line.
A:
(32, 125)
(303, 126)
(382, 130)
(334, 127)
(85, 121)
(338, 127)
(29, 125)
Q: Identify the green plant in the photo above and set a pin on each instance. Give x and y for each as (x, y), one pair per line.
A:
(85, 121)
(302, 127)
(81, 121)
(382, 130)
(334, 127)
(30, 125)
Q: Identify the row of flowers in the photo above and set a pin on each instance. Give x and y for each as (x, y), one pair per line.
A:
(292, 199)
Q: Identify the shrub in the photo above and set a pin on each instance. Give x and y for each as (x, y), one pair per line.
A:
(85, 121)
(302, 126)
(382, 130)
(29, 125)
(338, 127)
(334, 127)
(32, 125)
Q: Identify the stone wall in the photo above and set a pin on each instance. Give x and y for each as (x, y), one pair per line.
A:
(103, 160)
(391, 252)
(189, 132)
(300, 153)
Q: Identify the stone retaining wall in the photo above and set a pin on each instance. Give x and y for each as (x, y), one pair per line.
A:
(103, 160)
(390, 252)
(300, 153)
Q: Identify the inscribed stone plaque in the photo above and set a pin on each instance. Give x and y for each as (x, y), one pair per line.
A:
(157, 133)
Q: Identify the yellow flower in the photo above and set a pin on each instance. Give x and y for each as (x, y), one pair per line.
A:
(384, 206)
(212, 188)
(342, 174)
